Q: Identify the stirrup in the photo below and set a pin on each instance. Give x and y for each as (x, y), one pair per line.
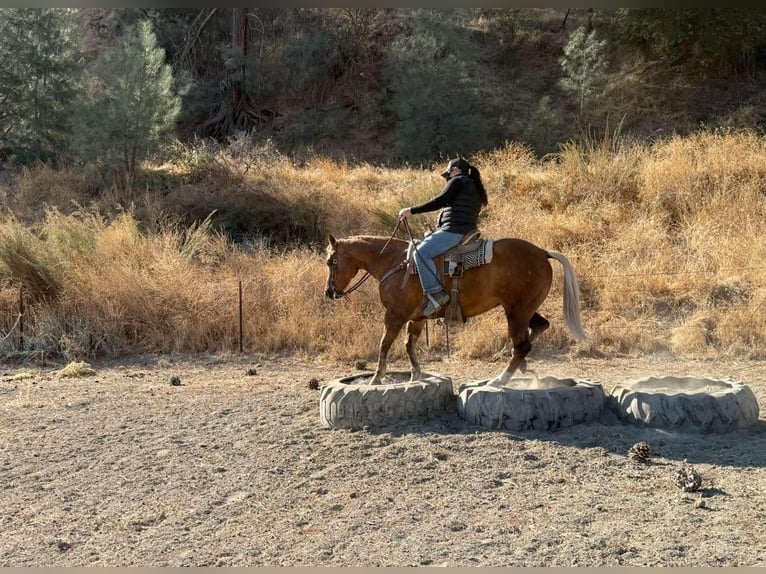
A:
(434, 303)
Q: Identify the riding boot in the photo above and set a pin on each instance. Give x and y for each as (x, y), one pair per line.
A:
(433, 302)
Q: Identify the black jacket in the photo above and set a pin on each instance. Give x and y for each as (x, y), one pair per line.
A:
(460, 204)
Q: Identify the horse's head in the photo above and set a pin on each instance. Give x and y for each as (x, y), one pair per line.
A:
(341, 268)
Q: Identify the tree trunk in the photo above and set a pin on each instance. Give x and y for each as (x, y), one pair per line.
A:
(238, 111)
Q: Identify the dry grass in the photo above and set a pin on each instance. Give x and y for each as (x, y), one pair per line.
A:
(668, 241)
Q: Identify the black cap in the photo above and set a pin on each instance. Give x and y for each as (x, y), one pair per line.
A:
(458, 162)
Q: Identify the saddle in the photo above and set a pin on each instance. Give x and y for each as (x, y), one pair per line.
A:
(469, 253)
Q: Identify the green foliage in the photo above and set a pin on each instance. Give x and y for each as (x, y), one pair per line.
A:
(304, 63)
(360, 39)
(40, 59)
(388, 85)
(545, 127)
(437, 103)
(583, 65)
(131, 101)
(707, 40)
(312, 125)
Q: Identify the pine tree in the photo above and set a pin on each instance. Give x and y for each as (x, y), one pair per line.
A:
(436, 99)
(583, 64)
(132, 101)
(40, 59)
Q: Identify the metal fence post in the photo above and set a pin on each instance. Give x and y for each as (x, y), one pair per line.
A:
(240, 316)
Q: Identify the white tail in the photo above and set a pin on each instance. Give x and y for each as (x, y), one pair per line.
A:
(571, 297)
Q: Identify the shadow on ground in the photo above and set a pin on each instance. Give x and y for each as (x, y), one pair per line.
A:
(745, 448)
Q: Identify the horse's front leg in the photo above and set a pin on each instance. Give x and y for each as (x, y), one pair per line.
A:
(414, 328)
(394, 324)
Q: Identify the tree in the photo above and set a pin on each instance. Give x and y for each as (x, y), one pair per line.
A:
(237, 111)
(544, 127)
(435, 91)
(718, 41)
(40, 59)
(583, 64)
(132, 100)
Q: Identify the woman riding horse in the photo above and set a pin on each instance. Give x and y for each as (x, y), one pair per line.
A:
(460, 202)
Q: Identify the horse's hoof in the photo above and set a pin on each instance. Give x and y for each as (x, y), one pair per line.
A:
(496, 382)
(489, 383)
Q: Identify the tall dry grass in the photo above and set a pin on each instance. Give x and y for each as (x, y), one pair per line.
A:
(668, 241)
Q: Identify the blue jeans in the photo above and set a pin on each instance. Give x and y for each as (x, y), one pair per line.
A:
(433, 245)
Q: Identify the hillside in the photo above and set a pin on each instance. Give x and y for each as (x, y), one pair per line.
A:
(395, 87)
(667, 241)
(438, 83)
(411, 86)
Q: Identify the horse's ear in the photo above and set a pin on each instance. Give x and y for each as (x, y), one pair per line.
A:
(331, 239)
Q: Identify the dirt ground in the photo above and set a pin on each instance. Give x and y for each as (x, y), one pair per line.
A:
(232, 468)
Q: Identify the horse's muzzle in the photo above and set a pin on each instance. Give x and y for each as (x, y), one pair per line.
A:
(332, 293)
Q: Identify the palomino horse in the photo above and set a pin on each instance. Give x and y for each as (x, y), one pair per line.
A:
(518, 277)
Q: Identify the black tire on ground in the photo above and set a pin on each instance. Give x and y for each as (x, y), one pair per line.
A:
(690, 404)
(351, 402)
(528, 403)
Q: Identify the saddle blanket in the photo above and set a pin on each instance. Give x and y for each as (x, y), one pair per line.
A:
(475, 257)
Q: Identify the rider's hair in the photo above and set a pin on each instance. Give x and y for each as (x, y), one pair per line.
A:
(475, 176)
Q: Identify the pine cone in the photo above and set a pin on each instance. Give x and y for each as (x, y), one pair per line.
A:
(640, 452)
(687, 478)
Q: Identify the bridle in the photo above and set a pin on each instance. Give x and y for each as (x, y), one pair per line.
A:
(339, 293)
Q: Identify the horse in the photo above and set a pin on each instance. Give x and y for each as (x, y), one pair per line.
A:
(518, 278)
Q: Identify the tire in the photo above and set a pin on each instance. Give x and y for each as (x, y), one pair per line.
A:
(531, 404)
(688, 404)
(350, 402)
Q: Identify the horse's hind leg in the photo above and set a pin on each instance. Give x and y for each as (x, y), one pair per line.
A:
(393, 325)
(414, 328)
(522, 345)
(537, 326)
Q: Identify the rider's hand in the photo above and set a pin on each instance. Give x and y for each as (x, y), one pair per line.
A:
(404, 213)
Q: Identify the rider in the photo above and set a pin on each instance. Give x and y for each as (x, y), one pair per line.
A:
(460, 202)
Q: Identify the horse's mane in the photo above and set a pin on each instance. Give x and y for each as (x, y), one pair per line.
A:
(370, 240)
(375, 246)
